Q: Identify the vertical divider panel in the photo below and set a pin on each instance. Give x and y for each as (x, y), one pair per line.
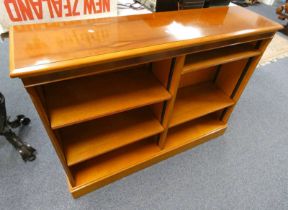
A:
(245, 77)
(161, 70)
(172, 86)
(55, 142)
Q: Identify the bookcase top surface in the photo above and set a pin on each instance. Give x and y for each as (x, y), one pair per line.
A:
(40, 49)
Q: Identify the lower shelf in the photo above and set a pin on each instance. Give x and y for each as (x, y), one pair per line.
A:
(107, 168)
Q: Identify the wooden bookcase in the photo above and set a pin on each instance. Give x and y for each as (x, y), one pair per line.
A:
(109, 117)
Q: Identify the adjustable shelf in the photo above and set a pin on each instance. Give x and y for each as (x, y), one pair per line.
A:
(90, 139)
(124, 161)
(79, 100)
(194, 131)
(198, 100)
(215, 57)
(114, 162)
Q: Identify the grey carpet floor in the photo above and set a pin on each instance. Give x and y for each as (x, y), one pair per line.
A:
(247, 168)
(267, 11)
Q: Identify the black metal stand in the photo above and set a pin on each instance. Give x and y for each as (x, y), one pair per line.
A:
(27, 152)
(284, 30)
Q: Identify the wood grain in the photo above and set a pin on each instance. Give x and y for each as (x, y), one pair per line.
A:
(85, 42)
(108, 168)
(196, 101)
(84, 99)
(161, 70)
(60, 71)
(229, 75)
(94, 97)
(173, 87)
(36, 99)
(244, 82)
(215, 57)
(197, 77)
(193, 130)
(88, 140)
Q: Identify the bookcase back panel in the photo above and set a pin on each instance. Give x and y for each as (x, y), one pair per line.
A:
(107, 134)
(229, 75)
(161, 70)
(196, 77)
(157, 110)
(79, 100)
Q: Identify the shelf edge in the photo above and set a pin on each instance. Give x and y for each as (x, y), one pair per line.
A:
(162, 155)
(190, 68)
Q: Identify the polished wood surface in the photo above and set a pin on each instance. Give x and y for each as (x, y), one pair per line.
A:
(193, 131)
(229, 75)
(60, 71)
(103, 135)
(115, 163)
(40, 107)
(88, 98)
(119, 94)
(196, 101)
(47, 48)
(197, 77)
(250, 70)
(176, 68)
(203, 60)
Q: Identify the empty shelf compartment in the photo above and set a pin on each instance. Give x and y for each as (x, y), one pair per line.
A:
(79, 100)
(197, 61)
(87, 140)
(109, 167)
(198, 100)
(114, 163)
(194, 132)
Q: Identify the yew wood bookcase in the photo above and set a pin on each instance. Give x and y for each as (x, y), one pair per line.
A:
(119, 94)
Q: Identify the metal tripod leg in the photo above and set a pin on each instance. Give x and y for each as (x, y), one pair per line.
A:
(27, 152)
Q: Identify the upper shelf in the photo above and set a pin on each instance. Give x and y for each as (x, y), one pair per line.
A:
(83, 99)
(215, 57)
(196, 101)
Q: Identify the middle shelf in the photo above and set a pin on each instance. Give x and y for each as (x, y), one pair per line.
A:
(87, 140)
(198, 100)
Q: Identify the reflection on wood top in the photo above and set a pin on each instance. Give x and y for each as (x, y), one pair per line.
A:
(43, 48)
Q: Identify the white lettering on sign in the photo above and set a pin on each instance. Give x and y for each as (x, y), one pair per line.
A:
(36, 11)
